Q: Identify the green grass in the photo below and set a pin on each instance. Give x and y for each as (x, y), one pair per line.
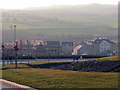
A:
(58, 28)
(48, 78)
(64, 25)
(112, 58)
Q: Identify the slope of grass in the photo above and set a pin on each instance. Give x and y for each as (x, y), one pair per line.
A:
(111, 58)
(48, 78)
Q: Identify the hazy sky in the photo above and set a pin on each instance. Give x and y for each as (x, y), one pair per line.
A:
(14, 4)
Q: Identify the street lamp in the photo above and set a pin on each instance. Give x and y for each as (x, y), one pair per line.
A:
(14, 34)
(15, 46)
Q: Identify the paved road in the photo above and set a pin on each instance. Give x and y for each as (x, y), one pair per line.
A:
(44, 60)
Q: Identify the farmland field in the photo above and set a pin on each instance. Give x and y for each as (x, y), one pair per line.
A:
(62, 21)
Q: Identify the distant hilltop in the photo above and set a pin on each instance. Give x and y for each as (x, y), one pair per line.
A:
(62, 22)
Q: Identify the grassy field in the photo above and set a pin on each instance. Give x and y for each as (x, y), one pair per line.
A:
(49, 78)
(112, 58)
(60, 28)
(62, 21)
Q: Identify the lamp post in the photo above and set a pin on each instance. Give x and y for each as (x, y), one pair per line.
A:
(16, 49)
(15, 46)
(14, 34)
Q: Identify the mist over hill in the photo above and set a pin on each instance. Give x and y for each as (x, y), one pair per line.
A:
(71, 23)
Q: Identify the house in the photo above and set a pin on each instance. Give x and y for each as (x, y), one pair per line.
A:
(98, 46)
(41, 50)
(8, 51)
(67, 48)
(25, 48)
(53, 48)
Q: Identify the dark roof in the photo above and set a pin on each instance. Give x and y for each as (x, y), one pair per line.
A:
(53, 43)
(69, 43)
(84, 43)
(99, 40)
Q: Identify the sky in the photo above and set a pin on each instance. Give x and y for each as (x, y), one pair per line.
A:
(17, 4)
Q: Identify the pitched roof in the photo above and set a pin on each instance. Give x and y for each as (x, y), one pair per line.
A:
(67, 43)
(53, 43)
(99, 40)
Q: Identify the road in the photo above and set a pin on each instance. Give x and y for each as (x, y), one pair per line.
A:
(44, 60)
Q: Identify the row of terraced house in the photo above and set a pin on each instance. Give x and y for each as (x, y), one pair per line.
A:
(97, 46)
(39, 48)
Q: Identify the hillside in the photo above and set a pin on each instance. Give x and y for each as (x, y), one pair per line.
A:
(55, 21)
